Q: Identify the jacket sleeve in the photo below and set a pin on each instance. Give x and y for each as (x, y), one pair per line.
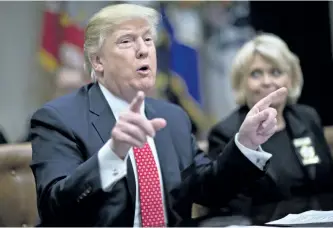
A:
(65, 180)
(217, 140)
(214, 183)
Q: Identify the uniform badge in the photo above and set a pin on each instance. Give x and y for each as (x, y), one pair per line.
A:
(306, 151)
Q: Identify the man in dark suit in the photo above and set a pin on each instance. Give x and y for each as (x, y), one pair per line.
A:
(107, 156)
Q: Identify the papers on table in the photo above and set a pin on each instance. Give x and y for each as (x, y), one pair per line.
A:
(308, 217)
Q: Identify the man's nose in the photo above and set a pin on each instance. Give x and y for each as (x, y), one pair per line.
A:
(142, 49)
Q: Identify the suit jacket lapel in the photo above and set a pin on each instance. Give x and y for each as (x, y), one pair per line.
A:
(166, 152)
(296, 126)
(295, 129)
(103, 121)
(298, 129)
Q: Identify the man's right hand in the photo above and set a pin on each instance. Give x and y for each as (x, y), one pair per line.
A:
(132, 128)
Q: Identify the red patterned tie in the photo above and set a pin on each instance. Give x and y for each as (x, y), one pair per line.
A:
(149, 188)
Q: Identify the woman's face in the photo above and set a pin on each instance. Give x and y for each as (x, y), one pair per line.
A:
(264, 78)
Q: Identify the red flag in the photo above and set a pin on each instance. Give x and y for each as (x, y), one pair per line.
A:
(50, 37)
(63, 33)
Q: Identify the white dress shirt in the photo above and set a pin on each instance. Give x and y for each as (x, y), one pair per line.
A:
(113, 168)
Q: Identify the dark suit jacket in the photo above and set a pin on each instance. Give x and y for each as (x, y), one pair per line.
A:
(67, 132)
(301, 121)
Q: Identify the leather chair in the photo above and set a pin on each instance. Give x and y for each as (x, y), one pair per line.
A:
(17, 192)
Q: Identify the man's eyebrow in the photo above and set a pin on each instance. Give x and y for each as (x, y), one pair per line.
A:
(147, 30)
(124, 32)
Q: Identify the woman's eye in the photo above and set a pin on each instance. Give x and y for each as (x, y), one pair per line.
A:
(256, 73)
(276, 72)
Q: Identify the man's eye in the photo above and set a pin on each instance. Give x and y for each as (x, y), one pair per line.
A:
(125, 43)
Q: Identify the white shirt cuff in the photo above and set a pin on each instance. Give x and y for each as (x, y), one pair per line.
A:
(258, 158)
(112, 168)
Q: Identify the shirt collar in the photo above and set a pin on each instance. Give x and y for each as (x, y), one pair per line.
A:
(117, 104)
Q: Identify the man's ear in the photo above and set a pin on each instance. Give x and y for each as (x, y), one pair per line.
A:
(96, 63)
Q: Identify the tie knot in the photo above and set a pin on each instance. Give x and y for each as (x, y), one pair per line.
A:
(145, 146)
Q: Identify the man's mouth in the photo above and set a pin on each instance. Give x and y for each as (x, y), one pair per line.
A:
(144, 68)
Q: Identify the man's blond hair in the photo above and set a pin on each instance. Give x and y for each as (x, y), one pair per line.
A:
(103, 22)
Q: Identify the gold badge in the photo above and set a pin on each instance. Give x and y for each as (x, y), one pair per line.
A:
(306, 150)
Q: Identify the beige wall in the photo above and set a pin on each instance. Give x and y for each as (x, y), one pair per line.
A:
(21, 83)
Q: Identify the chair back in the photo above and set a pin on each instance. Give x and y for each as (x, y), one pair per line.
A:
(18, 205)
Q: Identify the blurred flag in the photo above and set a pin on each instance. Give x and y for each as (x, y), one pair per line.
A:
(179, 73)
(50, 40)
(63, 33)
(230, 27)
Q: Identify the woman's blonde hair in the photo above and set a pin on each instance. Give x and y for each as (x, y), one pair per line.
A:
(273, 49)
(103, 23)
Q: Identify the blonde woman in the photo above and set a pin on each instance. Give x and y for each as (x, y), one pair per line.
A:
(301, 164)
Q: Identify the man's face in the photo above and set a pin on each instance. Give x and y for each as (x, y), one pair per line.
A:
(127, 61)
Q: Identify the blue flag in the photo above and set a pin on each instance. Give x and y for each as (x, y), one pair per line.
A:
(183, 60)
(179, 68)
